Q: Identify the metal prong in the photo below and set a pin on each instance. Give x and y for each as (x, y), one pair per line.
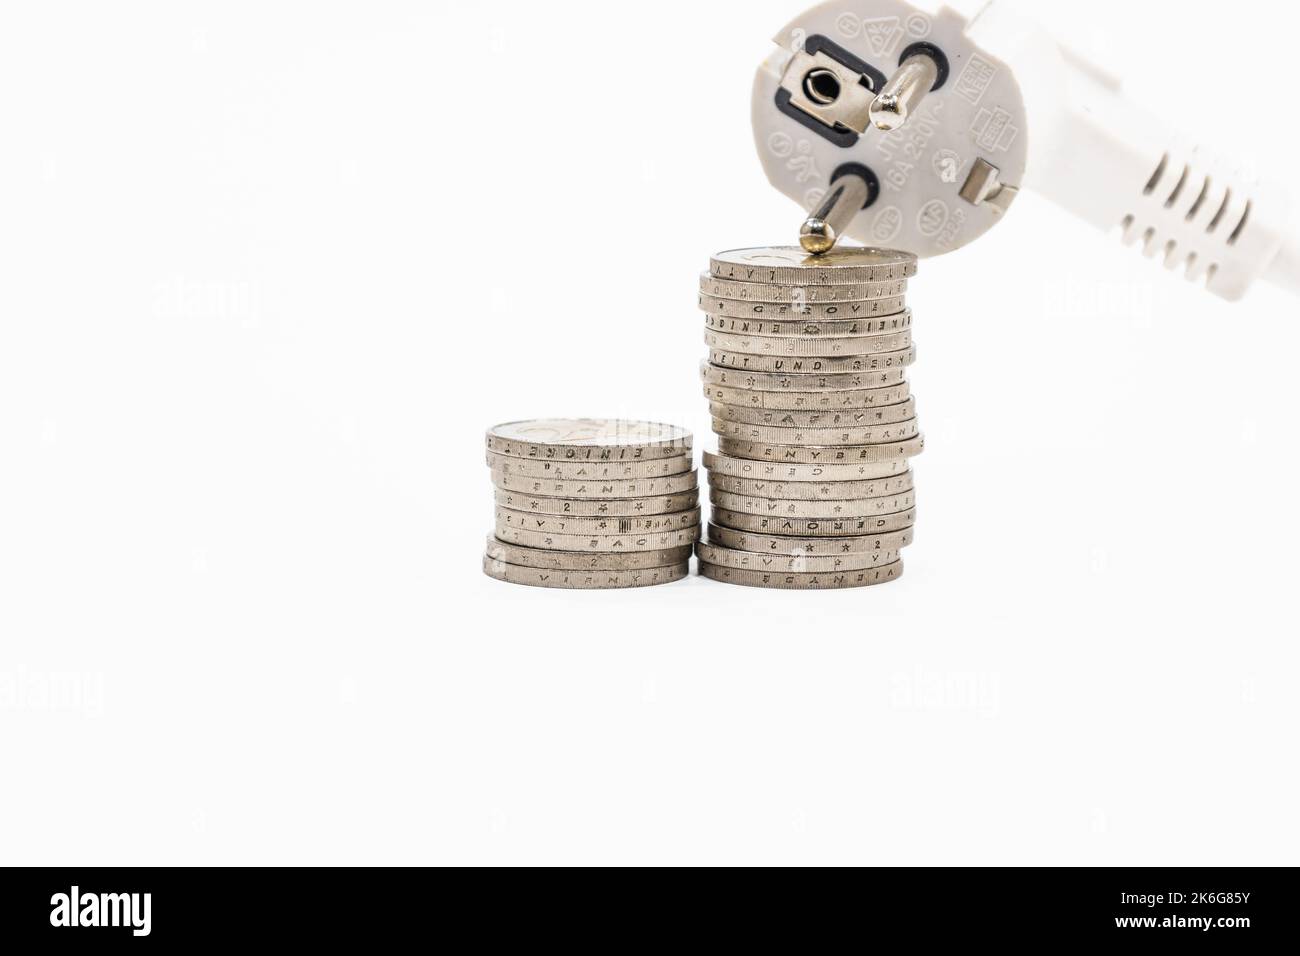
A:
(903, 93)
(823, 228)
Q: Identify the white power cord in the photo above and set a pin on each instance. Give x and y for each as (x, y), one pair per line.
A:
(902, 125)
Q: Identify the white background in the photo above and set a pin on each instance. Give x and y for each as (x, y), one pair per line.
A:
(268, 272)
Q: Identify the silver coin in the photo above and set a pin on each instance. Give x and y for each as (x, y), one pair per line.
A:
(791, 508)
(597, 489)
(591, 470)
(812, 547)
(825, 581)
(570, 561)
(586, 507)
(740, 308)
(854, 527)
(770, 292)
(829, 437)
(846, 399)
(799, 563)
(800, 382)
(588, 439)
(809, 328)
(598, 543)
(792, 265)
(816, 418)
(583, 580)
(814, 454)
(802, 365)
(794, 346)
(735, 467)
(556, 524)
(812, 490)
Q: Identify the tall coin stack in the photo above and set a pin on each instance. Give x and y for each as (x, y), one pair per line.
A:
(807, 386)
(592, 503)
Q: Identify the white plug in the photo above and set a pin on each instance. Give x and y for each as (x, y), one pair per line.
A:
(939, 117)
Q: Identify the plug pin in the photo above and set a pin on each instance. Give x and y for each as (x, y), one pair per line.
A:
(902, 94)
(820, 231)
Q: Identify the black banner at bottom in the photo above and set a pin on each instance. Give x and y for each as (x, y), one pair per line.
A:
(98, 908)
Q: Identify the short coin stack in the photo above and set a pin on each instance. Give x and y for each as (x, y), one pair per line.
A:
(807, 385)
(592, 503)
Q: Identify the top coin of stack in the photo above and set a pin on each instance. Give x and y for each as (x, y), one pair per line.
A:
(591, 503)
(807, 387)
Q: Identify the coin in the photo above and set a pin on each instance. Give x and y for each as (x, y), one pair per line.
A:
(591, 470)
(848, 454)
(808, 347)
(555, 524)
(781, 292)
(828, 400)
(853, 527)
(816, 418)
(569, 561)
(802, 365)
(741, 308)
(583, 580)
(598, 543)
(870, 435)
(790, 508)
(791, 264)
(830, 580)
(809, 328)
(791, 545)
(803, 471)
(799, 563)
(800, 382)
(812, 490)
(588, 439)
(582, 507)
(807, 383)
(597, 489)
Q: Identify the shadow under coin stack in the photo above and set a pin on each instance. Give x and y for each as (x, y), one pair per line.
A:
(807, 387)
(592, 503)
